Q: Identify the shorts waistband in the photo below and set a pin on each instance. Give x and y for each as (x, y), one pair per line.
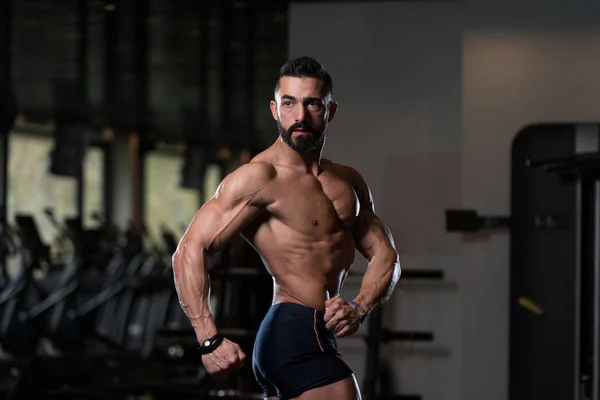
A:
(297, 308)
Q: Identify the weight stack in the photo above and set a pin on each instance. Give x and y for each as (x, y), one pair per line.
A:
(554, 264)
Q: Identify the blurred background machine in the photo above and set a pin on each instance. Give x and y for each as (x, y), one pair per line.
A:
(555, 260)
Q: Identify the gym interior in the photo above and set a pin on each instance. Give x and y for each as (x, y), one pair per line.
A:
(475, 123)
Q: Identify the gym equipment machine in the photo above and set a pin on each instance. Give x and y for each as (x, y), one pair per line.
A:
(567, 302)
(19, 335)
(554, 261)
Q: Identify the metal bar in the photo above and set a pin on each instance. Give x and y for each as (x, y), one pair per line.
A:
(110, 62)
(250, 140)
(405, 336)
(82, 72)
(82, 51)
(577, 310)
(587, 248)
(225, 73)
(141, 61)
(372, 358)
(204, 54)
(110, 90)
(596, 295)
(433, 274)
(7, 110)
(385, 335)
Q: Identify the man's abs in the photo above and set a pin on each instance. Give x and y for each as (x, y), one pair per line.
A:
(307, 272)
(303, 292)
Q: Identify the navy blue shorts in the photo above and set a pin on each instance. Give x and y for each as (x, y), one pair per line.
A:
(294, 352)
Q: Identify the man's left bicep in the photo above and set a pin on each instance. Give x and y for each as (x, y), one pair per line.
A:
(373, 237)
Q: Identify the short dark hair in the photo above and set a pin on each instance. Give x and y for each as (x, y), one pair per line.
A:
(306, 67)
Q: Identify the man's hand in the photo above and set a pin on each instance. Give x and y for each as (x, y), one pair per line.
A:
(341, 318)
(226, 358)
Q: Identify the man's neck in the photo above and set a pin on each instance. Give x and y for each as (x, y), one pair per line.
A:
(307, 161)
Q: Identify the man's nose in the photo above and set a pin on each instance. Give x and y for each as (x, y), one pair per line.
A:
(299, 114)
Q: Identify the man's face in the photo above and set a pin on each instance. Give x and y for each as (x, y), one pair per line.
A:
(302, 113)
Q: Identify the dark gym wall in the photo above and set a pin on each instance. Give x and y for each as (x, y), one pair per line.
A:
(431, 96)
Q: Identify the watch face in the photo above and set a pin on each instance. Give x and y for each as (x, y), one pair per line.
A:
(206, 343)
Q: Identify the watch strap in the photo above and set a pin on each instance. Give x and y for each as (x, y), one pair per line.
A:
(209, 345)
(362, 313)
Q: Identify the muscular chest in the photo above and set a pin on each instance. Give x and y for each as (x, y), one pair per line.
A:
(323, 204)
(341, 196)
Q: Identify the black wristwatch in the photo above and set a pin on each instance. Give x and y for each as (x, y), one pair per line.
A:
(209, 345)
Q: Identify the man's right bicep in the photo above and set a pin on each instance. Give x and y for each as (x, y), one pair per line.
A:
(217, 222)
(204, 226)
(237, 202)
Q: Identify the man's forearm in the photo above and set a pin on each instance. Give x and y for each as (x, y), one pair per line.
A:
(379, 281)
(193, 288)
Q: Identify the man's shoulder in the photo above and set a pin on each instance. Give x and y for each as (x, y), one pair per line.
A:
(247, 179)
(354, 178)
(253, 173)
(257, 168)
(346, 172)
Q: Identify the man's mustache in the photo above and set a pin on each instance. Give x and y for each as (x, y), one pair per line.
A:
(298, 126)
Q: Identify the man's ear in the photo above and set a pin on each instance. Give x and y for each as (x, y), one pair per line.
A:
(333, 106)
(273, 106)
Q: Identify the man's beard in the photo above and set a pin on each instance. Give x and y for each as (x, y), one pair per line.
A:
(313, 140)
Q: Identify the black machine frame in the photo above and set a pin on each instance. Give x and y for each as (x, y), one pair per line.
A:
(554, 338)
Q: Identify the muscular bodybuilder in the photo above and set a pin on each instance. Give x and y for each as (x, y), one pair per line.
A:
(305, 215)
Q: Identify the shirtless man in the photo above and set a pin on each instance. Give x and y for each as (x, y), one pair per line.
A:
(305, 216)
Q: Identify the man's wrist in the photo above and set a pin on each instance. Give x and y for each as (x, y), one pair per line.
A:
(362, 304)
(209, 345)
(205, 328)
(363, 313)
(357, 305)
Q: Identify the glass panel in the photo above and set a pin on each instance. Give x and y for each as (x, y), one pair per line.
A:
(166, 203)
(32, 189)
(93, 188)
